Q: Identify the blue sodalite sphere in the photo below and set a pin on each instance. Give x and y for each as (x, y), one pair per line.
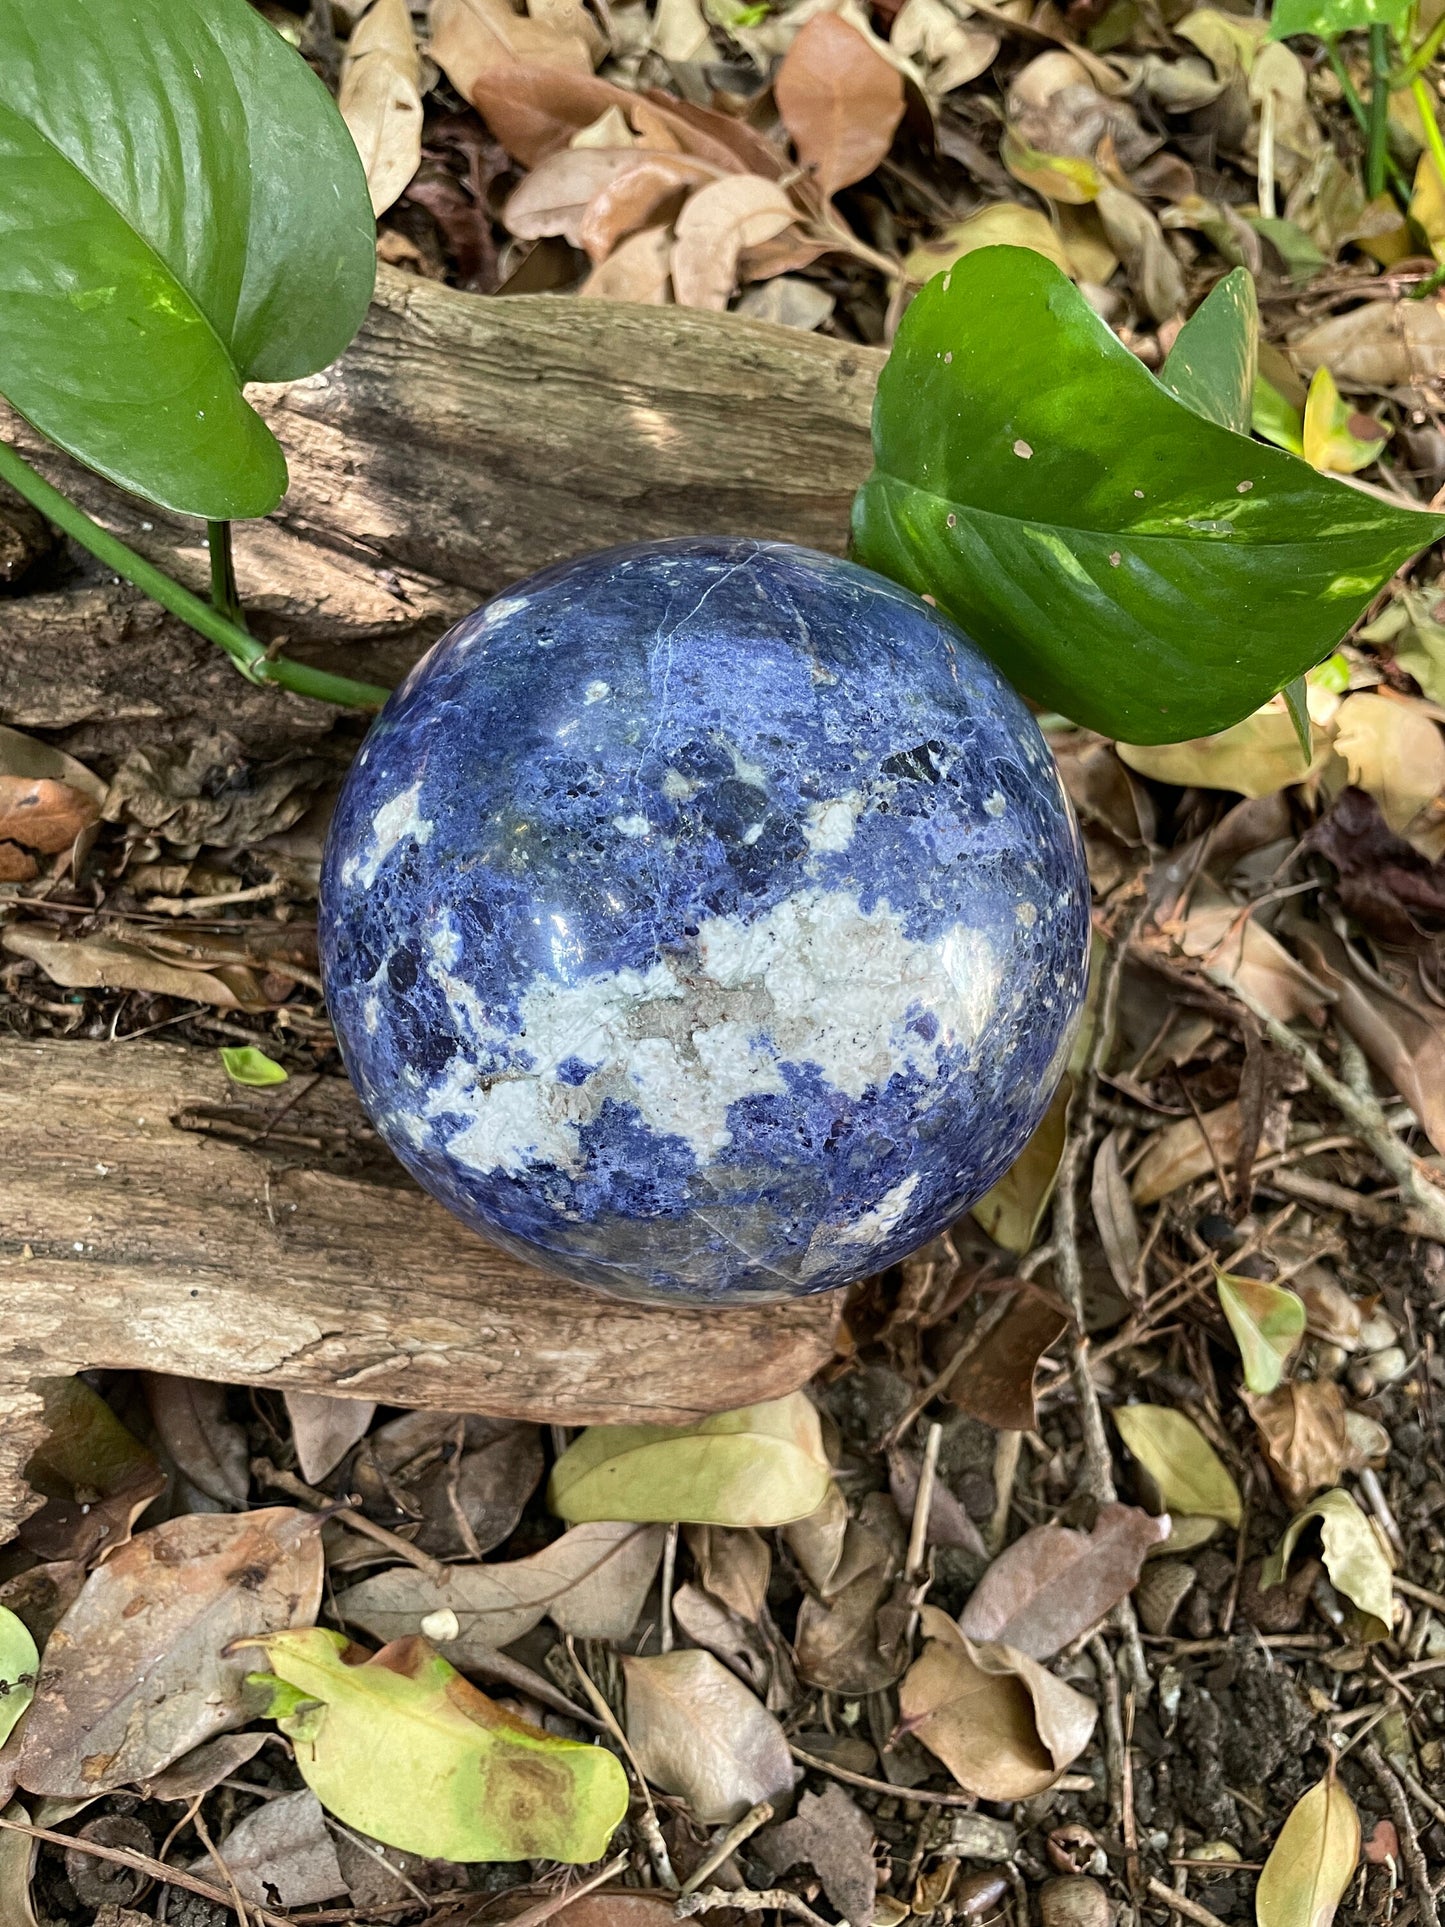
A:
(705, 919)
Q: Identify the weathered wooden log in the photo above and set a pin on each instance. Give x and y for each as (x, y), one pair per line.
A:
(461, 443)
(155, 1216)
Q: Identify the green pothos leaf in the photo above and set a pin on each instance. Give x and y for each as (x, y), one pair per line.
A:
(1123, 560)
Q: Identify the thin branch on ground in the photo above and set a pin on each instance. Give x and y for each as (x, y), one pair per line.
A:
(1410, 1850)
(770, 1901)
(1364, 1112)
(916, 1793)
(1181, 1904)
(142, 1863)
(736, 1834)
(555, 1903)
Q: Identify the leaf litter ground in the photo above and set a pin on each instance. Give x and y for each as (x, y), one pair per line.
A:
(981, 1680)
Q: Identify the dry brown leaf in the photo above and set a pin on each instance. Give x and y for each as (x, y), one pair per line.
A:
(1310, 1438)
(724, 1633)
(787, 301)
(1382, 344)
(835, 1838)
(1256, 757)
(17, 865)
(42, 1595)
(698, 1732)
(850, 1640)
(735, 1562)
(1179, 1153)
(995, 1382)
(210, 1449)
(591, 1582)
(466, 1479)
(816, 1542)
(42, 814)
(1003, 1727)
(136, 1674)
(556, 195)
(1114, 1216)
(1394, 752)
(281, 1854)
(380, 98)
(1053, 1584)
(714, 227)
(948, 1522)
(105, 963)
(638, 196)
(1235, 948)
(324, 1429)
(485, 45)
(95, 1477)
(840, 101)
(948, 39)
(638, 269)
(680, 31)
(205, 1768)
(1402, 1037)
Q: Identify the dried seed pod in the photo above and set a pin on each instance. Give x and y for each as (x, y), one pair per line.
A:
(1074, 1849)
(100, 1883)
(1163, 1587)
(978, 1894)
(1074, 1900)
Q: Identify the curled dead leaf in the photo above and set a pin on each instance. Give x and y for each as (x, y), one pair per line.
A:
(1003, 1727)
(717, 223)
(380, 98)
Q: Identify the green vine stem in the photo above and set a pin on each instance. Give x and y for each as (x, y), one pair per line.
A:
(1433, 138)
(1378, 135)
(224, 594)
(251, 657)
(1357, 108)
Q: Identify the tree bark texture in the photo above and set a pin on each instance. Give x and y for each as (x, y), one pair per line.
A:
(156, 1216)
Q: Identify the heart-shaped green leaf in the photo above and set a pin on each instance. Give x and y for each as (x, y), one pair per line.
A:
(183, 211)
(1268, 1322)
(399, 1744)
(1327, 19)
(1211, 365)
(1147, 572)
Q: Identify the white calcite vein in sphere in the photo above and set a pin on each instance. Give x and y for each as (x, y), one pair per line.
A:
(705, 919)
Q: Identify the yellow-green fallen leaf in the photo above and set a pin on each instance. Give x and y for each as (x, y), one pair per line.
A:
(1311, 1864)
(1190, 1475)
(1012, 1210)
(401, 1746)
(762, 1466)
(1268, 1323)
(19, 1664)
(1275, 419)
(1058, 177)
(1256, 757)
(1427, 205)
(1338, 438)
(1001, 224)
(244, 1064)
(1354, 1558)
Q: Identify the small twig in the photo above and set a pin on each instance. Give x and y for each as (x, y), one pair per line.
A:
(1241, 1548)
(1108, 1678)
(647, 1825)
(554, 1903)
(1007, 1448)
(351, 1516)
(921, 1794)
(1363, 1111)
(770, 1900)
(923, 1505)
(669, 1571)
(139, 1863)
(1181, 1904)
(214, 1854)
(741, 1830)
(936, 1387)
(1380, 1506)
(1410, 1853)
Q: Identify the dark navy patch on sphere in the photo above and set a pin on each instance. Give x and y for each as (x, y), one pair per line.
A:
(705, 919)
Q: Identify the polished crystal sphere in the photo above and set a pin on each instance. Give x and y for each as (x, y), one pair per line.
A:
(705, 919)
